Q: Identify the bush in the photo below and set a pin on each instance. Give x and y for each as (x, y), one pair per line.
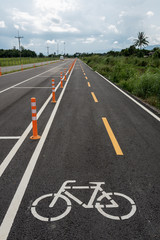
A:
(148, 85)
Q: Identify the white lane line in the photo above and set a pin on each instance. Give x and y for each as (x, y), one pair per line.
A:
(16, 201)
(10, 137)
(29, 79)
(49, 76)
(140, 105)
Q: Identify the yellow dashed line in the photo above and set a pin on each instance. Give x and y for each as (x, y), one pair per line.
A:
(94, 97)
(112, 137)
(89, 85)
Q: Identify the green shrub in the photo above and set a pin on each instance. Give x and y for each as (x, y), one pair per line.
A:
(148, 85)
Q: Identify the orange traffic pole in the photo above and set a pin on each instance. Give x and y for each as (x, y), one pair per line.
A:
(65, 75)
(53, 92)
(34, 119)
(69, 68)
(0, 72)
(61, 81)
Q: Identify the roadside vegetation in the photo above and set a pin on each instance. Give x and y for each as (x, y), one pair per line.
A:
(11, 57)
(4, 62)
(134, 70)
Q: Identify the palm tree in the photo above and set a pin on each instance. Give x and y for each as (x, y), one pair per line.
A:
(141, 41)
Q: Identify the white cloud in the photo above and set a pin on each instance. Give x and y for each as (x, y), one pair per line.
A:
(115, 42)
(130, 38)
(155, 27)
(16, 26)
(120, 21)
(41, 22)
(150, 14)
(29, 45)
(2, 24)
(113, 28)
(56, 6)
(51, 41)
(103, 18)
(89, 40)
(122, 13)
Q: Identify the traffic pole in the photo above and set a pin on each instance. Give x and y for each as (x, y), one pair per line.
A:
(65, 75)
(53, 92)
(34, 120)
(0, 72)
(61, 81)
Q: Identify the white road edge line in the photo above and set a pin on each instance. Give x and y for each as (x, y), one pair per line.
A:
(29, 79)
(10, 137)
(140, 105)
(16, 201)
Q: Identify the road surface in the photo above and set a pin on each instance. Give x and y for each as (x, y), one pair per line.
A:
(95, 172)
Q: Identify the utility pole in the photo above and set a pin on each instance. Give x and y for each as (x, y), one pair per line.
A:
(19, 42)
(48, 50)
(64, 48)
(57, 47)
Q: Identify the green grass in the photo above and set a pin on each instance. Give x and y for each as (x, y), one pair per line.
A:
(4, 62)
(139, 76)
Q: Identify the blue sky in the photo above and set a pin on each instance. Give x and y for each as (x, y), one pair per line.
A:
(78, 25)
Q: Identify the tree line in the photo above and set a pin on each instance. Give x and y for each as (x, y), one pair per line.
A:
(16, 53)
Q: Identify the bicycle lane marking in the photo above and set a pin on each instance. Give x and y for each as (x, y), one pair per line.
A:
(99, 205)
(16, 201)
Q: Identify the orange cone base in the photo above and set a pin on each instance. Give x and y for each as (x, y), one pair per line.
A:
(53, 101)
(35, 137)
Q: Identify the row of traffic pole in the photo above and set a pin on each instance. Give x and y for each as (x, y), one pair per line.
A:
(35, 135)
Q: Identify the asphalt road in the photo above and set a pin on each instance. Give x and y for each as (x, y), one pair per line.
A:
(94, 174)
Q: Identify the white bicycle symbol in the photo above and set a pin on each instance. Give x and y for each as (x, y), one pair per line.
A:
(66, 196)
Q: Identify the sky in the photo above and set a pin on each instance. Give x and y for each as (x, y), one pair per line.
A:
(69, 26)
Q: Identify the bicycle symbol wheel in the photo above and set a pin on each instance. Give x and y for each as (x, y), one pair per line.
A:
(113, 204)
(47, 219)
